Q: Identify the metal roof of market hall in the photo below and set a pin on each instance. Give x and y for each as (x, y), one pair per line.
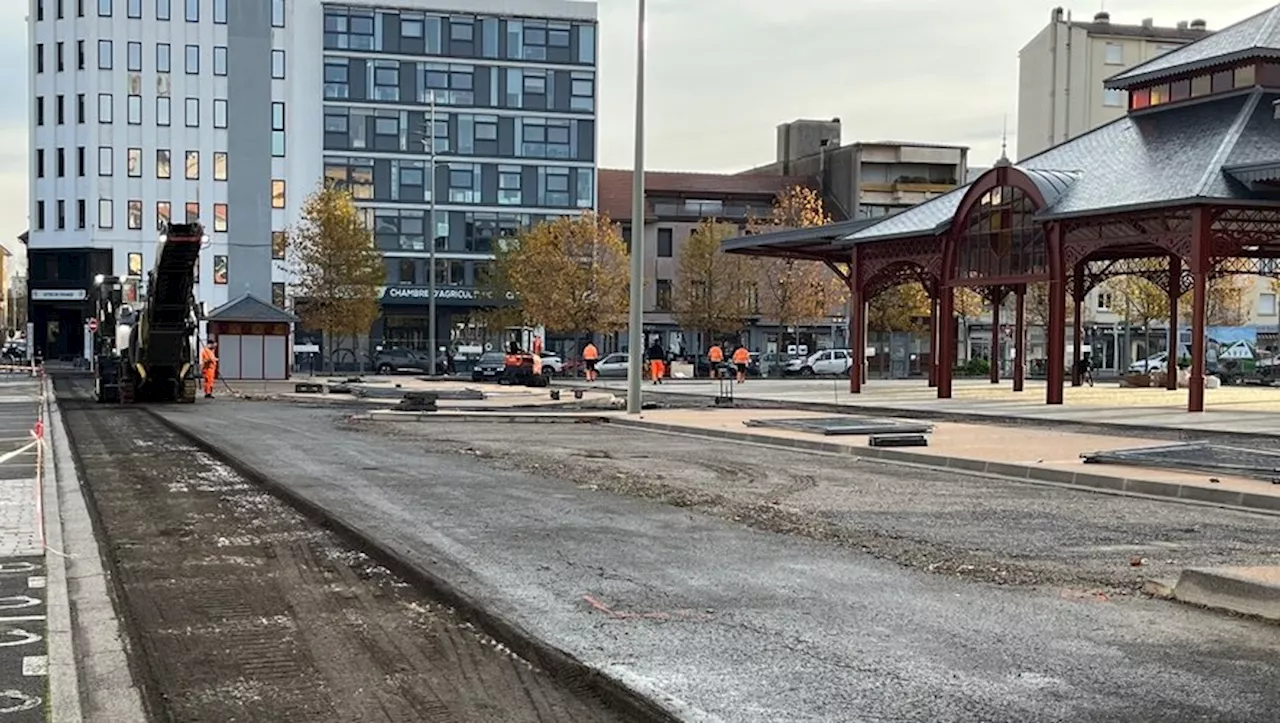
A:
(1254, 37)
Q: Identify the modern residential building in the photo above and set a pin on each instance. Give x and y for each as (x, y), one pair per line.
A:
(675, 204)
(514, 91)
(865, 180)
(1060, 90)
(233, 111)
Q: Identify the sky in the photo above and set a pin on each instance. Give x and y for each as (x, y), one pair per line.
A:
(722, 74)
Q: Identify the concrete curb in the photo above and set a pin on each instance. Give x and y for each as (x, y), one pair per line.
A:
(1081, 480)
(107, 691)
(1231, 590)
(560, 663)
(385, 415)
(1068, 425)
(64, 678)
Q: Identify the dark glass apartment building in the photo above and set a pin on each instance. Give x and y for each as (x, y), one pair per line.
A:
(514, 136)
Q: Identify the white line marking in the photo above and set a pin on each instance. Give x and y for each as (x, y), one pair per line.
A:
(35, 665)
(14, 602)
(6, 567)
(10, 455)
(27, 638)
(15, 701)
(20, 618)
(37, 582)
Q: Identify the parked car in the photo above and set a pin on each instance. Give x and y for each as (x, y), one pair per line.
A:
(1151, 364)
(552, 364)
(401, 359)
(489, 367)
(613, 365)
(822, 363)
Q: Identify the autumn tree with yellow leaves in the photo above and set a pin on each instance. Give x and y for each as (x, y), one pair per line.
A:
(793, 292)
(712, 291)
(338, 272)
(899, 308)
(570, 275)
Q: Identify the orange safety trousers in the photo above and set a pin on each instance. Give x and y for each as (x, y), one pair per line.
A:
(210, 374)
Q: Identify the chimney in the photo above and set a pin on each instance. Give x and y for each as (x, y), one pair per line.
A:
(1200, 25)
(1182, 25)
(1148, 23)
(1102, 18)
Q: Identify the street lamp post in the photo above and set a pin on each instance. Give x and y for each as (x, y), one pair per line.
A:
(431, 252)
(635, 330)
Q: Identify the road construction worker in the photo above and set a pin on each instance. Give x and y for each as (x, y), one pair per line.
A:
(715, 359)
(741, 358)
(657, 362)
(209, 367)
(590, 355)
(537, 355)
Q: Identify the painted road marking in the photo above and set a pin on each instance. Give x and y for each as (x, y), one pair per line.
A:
(36, 582)
(13, 602)
(8, 568)
(21, 637)
(10, 455)
(35, 665)
(15, 701)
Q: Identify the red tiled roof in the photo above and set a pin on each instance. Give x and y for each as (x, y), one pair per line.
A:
(615, 187)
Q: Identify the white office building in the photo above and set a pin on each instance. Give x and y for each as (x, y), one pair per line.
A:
(232, 111)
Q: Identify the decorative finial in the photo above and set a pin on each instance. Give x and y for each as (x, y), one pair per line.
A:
(1004, 144)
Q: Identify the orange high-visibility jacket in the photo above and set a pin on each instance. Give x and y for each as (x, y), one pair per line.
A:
(591, 352)
(716, 354)
(208, 359)
(742, 356)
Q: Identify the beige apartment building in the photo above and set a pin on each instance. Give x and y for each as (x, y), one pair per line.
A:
(1060, 92)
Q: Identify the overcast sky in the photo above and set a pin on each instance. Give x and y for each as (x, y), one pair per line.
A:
(723, 73)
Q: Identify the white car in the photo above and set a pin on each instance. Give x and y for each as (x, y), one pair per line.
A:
(829, 362)
(1151, 364)
(552, 364)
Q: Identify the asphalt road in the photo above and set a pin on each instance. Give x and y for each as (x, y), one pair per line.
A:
(729, 623)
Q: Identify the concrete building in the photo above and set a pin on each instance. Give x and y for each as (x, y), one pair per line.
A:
(233, 111)
(676, 203)
(865, 180)
(1060, 91)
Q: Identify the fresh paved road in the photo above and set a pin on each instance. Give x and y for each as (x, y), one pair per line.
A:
(737, 625)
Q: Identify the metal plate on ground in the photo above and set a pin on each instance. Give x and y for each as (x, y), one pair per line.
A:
(1196, 457)
(832, 426)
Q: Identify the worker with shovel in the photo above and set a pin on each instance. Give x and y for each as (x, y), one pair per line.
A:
(209, 367)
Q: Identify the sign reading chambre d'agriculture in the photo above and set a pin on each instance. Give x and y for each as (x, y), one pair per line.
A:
(456, 295)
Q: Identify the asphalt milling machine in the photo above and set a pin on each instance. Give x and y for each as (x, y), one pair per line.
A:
(146, 352)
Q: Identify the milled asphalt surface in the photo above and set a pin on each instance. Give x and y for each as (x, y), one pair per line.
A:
(728, 623)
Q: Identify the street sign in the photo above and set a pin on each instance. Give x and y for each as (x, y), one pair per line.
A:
(93, 325)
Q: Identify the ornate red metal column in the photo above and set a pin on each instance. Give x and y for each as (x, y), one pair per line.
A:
(1077, 325)
(856, 327)
(1057, 317)
(946, 339)
(1175, 292)
(1200, 267)
(1019, 337)
(933, 338)
(997, 295)
(862, 339)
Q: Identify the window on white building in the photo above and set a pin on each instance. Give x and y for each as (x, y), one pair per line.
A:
(133, 162)
(135, 110)
(106, 106)
(1266, 304)
(220, 60)
(104, 55)
(135, 9)
(219, 113)
(1104, 301)
(193, 59)
(193, 165)
(164, 163)
(219, 217)
(164, 10)
(220, 12)
(104, 11)
(193, 112)
(1115, 54)
(162, 58)
(277, 13)
(106, 160)
(277, 130)
(106, 210)
(135, 56)
(163, 111)
(134, 214)
(220, 165)
(277, 64)
(193, 11)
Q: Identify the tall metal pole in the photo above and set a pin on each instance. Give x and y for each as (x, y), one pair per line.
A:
(431, 254)
(635, 356)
